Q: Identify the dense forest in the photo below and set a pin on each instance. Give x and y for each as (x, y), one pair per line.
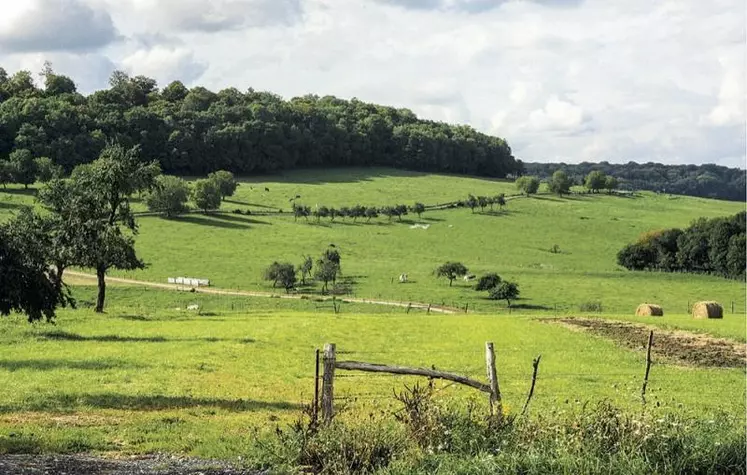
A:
(708, 181)
(709, 246)
(196, 131)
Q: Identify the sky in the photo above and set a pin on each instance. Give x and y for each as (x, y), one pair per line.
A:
(560, 80)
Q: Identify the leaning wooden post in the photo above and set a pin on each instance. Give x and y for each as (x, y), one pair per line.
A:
(328, 382)
(648, 366)
(495, 392)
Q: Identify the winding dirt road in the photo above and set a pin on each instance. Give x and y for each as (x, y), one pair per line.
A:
(248, 293)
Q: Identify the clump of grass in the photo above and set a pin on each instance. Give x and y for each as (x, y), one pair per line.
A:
(429, 437)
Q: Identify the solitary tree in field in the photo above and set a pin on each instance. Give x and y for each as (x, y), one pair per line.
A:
(528, 184)
(451, 270)
(305, 268)
(168, 196)
(488, 281)
(226, 182)
(418, 208)
(281, 273)
(99, 206)
(560, 183)
(507, 291)
(206, 195)
(595, 181)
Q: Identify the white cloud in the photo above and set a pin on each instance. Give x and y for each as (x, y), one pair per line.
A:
(165, 64)
(54, 25)
(560, 116)
(596, 79)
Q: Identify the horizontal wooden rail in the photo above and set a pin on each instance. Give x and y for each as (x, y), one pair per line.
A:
(429, 373)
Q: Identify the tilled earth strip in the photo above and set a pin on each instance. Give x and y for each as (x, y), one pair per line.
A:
(678, 346)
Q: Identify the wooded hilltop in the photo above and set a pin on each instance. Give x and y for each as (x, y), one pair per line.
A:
(196, 131)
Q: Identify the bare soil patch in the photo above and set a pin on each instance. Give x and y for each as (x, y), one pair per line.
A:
(681, 347)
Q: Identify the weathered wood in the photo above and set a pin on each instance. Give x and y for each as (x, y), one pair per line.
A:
(429, 373)
(535, 365)
(316, 388)
(328, 382)
(495, 392)
(648, 366)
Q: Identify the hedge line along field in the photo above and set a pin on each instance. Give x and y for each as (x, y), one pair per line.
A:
(232, 250)
(139, 381)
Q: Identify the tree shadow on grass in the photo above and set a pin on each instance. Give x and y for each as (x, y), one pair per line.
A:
(13, 206)
(218, 223)
(233, 218)
(529, 306)
(61, 335)
(51, 365)
(72, 402)
(19, 191)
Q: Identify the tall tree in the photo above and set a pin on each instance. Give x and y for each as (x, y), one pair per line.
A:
(24, 167)
(451, 270)
(560, 183)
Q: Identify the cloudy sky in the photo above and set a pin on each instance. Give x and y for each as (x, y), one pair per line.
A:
(568, 80)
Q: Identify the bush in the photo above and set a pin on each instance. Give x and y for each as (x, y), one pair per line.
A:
(488, 281)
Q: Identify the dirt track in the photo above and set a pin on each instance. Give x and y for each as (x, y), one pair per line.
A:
(246, 293)
(678, 346)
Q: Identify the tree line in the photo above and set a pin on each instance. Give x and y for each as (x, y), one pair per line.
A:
(197, 131)
(326, 270)
(708, 246)
(707, 181)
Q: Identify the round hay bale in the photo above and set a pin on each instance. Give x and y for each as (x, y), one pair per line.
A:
(649, 310)
(708, 310)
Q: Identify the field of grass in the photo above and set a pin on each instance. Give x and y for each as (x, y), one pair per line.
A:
(145, 378)
(232, 250)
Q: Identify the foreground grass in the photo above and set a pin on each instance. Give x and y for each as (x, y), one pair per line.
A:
(138, 380)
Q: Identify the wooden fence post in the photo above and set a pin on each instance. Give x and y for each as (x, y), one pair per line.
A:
(429, 309)
(495, 392)
(328, 382)
(316, 389)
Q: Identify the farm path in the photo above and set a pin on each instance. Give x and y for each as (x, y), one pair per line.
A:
(248, 293)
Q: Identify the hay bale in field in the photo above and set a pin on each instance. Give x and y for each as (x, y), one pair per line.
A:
(708, 310)
(649, 310)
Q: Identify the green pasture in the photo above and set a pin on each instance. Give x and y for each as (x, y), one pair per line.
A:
(145, 377)
(232, 250)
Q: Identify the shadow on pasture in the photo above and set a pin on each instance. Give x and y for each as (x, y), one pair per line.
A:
(50, 365)
(233, 218)
(19, 191)
(246, 203)
(12, 206)
(498, 213)
(72, 402)
(205, 220)
(428, 218)
(529, 306)
(60, 335)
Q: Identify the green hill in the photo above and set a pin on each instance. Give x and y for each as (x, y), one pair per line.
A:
(232, 250)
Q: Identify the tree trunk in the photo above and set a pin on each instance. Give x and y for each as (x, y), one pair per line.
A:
(451, 281)
(101, 277)
(60, 269)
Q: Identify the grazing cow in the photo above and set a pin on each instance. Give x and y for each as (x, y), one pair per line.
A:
(194, 306)
(469, 277)
(402, 278)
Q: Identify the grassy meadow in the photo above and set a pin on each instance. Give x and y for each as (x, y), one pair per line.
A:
(150, 376)
(137, 381)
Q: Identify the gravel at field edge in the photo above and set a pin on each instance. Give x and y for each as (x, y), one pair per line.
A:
(91, 465)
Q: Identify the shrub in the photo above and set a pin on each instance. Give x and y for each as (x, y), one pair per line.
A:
(488, 281)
